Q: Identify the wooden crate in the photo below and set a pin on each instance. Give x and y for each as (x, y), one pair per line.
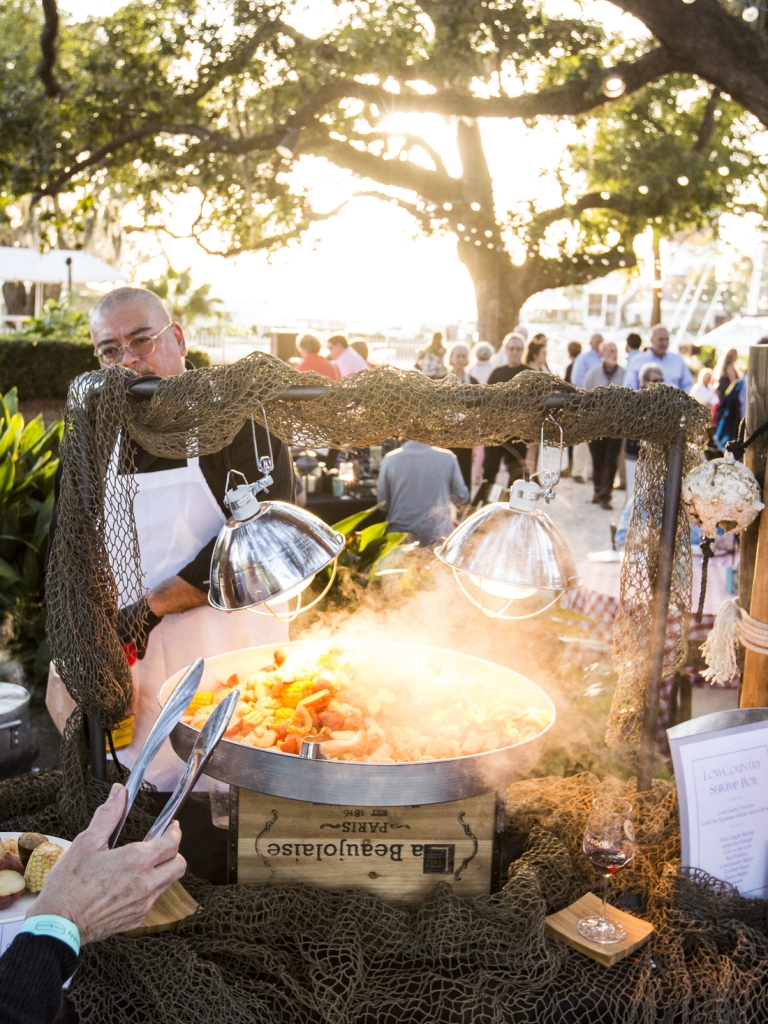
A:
(397, 852)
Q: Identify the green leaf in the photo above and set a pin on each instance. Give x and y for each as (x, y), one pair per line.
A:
(369, 534)
(393, 540)
(32, 433)
(49, 440)
(43, 523)
(346, 526)
(7, 476)
(11, 402)
(11, 437)
(7, 572)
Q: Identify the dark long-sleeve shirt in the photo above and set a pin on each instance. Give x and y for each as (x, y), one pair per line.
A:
(32, 972)
(238, 455)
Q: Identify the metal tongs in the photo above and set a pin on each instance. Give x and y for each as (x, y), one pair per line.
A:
(202, 752)
(174, 708)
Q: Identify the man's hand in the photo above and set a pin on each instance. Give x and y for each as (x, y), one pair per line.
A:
(105, 891)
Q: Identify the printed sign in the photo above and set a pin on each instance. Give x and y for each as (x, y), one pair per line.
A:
(721, 768)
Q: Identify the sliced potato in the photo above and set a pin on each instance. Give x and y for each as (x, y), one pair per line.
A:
(11, 887)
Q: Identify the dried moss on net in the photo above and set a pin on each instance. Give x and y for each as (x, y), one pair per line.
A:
(297, 953)
(95, 555)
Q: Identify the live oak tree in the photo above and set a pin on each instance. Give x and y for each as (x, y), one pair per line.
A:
(158, 100)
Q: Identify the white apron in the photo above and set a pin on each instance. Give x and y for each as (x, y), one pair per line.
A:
(176, 515)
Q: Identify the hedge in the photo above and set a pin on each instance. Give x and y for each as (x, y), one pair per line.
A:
(46, 368)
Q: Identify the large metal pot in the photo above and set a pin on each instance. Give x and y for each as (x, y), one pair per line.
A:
(15, 739)
(349, 782)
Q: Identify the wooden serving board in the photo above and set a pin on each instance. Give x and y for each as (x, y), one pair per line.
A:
(168, 910)
(563, 926)
(397, 852)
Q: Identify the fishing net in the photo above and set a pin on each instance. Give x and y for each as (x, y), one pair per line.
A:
(94, 561)
(287, 953)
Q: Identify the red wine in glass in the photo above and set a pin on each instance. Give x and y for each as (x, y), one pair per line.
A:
(609, 844)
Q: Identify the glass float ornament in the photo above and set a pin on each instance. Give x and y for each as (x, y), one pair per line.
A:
(722, 493)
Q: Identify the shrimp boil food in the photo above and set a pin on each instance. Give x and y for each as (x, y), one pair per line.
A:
(361, 709)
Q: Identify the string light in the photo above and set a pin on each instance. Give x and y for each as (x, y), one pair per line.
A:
(614, 86)
(751, 13)
(682, 180)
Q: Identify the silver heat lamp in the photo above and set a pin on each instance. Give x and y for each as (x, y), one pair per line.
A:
(512, 555)
(268, 552)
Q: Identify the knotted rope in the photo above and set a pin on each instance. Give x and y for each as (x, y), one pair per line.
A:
(719, 649)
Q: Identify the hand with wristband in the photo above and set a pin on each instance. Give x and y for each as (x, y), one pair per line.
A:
(103, 891)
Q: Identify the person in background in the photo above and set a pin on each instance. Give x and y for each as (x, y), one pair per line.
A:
(431, 360)
(482, 367)
(632, 347)
(361, 347)
(92, 892)
(574, 351)
(586, 361)
(605, 450)
(676, 373)
(727, 371)
(416, 486)
(500, 359)
(703, 391)
(514, 345)
(536, 354)
(346, 359)
(458, 361)
(309, 349)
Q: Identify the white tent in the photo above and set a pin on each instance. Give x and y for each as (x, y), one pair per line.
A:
(32, 267)
(739, 333)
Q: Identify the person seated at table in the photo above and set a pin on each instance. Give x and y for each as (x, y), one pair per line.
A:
(416, 486)
(92, 892)
(345, 359)
(361, 347)
(309, 347)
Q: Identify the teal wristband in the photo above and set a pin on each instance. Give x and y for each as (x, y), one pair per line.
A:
(54, 927)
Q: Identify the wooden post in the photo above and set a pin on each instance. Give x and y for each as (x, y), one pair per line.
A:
(755, 459)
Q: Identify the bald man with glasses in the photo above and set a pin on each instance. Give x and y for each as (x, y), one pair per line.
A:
(178, 509)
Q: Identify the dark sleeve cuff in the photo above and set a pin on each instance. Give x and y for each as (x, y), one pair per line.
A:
(32, 972)
(198, 572)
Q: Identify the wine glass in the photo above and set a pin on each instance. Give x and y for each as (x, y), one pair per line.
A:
(609, 843)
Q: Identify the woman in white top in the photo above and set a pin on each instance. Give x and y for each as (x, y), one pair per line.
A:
(703, 391)
(482, 367)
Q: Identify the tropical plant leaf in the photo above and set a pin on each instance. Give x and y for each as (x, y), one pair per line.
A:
(50, 439)
(346, 526)
(11, 403)
(32, 433)
(11, 437)
(7, 572)
(7, 476)
(393, 540)
(370, 534)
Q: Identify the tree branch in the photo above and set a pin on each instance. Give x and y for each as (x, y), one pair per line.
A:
(271, 241)
(705, 39)
(707, 125)
(48, 35)
(422, 216)
(437, 186)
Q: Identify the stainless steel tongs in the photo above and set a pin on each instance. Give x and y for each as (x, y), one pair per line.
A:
(206, 743)
(175, 706)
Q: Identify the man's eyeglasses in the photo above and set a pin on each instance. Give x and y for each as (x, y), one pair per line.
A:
(140, 348)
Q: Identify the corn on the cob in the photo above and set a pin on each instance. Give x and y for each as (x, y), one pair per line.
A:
(201, 700)
(41, 861)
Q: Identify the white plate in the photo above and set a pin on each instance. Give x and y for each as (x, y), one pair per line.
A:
(12, 918)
